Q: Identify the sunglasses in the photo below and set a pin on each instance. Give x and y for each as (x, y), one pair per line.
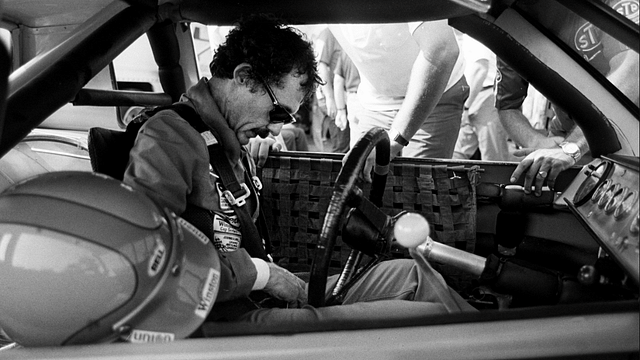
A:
(279, 115)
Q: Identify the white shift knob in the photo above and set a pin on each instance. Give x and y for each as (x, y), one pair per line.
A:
(411, 230)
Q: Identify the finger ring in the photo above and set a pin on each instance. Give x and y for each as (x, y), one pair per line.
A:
(542, 174)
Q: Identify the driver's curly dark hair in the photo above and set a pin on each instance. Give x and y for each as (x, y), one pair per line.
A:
(273, 50)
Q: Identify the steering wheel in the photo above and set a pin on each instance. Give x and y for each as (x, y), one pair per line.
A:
(344, 192)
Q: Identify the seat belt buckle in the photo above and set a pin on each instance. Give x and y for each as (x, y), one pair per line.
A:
(239, 201)
(257, 183)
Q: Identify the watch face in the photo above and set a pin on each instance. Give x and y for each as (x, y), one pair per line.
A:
(570, 148)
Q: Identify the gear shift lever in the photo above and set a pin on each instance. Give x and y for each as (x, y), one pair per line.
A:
(531, 285)
(411, 230)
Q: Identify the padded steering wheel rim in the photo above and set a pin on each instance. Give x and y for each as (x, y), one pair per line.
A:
(343, 189)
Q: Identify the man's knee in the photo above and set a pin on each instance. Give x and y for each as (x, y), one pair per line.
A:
(399, 267)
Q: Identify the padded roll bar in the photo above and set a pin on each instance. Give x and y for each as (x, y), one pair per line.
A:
(95, 97)
(62, 78)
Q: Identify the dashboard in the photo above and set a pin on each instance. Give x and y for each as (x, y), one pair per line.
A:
(604, 197)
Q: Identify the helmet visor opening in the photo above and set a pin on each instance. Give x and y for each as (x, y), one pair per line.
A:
(56, 283)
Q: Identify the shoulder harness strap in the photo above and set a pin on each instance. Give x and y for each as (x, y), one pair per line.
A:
(236, 192)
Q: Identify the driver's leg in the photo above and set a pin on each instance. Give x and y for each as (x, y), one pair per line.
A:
(395, 289)
(400, 279)
(365, 311)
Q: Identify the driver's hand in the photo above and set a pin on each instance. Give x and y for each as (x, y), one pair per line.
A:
(285, 286)
(259, 148)
(539, 165)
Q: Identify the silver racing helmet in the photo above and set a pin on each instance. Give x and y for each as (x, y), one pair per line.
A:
(86, 259)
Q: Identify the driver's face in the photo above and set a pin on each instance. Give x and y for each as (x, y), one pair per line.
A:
(254, 118)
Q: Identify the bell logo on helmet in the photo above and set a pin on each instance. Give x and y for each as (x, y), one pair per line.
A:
(144, 336)
(209, 293)
(158, 259)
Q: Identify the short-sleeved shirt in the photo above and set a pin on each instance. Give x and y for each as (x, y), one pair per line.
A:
(348, 71)
(473, 51)
(327, 49)
(384, 55)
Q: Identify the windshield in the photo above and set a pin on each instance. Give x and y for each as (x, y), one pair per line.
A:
(603, 53)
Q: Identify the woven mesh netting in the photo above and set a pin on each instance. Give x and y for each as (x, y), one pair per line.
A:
(297, 191)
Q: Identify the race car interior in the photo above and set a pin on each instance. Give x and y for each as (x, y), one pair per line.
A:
(573, 251)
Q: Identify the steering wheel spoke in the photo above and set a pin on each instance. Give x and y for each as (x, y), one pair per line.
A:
(346, 193)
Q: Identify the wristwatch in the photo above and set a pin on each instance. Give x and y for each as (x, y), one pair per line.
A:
(394, 135)
(572, 149)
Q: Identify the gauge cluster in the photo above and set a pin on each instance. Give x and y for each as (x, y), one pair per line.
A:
(606, 200)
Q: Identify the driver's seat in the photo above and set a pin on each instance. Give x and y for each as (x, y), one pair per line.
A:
(109, 150)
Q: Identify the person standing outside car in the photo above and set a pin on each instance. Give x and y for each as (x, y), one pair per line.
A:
(327, 135)
(481, 128)
(260, 77)
(346, 80)
(411, 84)
(565, 145)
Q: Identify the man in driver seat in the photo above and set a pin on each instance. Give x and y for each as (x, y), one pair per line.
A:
(260, 77)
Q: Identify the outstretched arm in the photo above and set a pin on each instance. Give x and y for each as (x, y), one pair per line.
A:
(429, 76)
(522, 133)
(544, 159)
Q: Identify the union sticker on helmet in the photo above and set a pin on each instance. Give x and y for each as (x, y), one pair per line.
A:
(145, 336)
(209, 293)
